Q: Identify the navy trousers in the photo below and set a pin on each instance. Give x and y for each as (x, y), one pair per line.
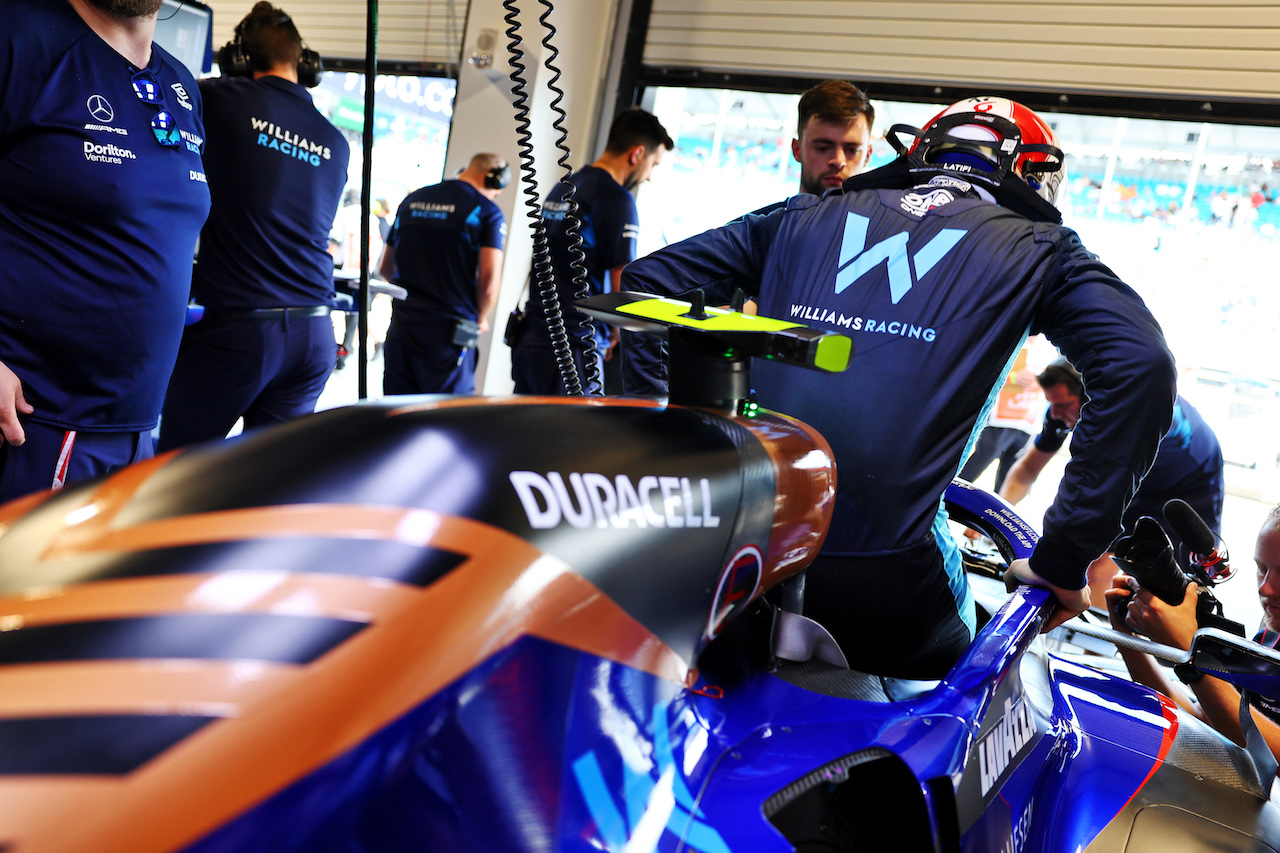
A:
(52, 457)
(265, 371)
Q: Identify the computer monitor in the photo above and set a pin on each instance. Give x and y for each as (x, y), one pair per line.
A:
(185, 29)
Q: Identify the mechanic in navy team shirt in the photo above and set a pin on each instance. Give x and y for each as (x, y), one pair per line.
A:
(1211, 699)
(606, 208)
(937, 265)
(832, 144)
(833, 135)
(276, 168)
(1188, 466)
(102, 195)
(445, 249)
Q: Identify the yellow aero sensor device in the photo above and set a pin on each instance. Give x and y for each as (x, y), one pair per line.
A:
(721, 331)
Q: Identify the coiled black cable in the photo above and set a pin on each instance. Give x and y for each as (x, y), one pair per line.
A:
(543, 273)
(585, 332)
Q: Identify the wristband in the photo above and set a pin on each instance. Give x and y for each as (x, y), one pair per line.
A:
(1187, 673)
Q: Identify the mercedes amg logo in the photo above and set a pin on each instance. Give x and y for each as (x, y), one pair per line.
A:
(100, 108)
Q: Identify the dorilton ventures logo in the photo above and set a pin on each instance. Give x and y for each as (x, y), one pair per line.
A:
(108, 153)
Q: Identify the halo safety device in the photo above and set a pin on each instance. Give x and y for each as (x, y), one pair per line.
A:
(498, 177)
(234, 61)
(986, 138)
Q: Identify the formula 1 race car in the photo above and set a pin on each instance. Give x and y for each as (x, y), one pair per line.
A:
(536, 624)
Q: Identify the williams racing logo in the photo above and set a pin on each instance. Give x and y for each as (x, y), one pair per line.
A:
(555, 211)
(597, 500)
(430, 210)
(905, 268)
(271, 135)
(906, 264)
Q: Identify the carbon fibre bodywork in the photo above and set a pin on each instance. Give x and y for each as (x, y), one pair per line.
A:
(528, 625)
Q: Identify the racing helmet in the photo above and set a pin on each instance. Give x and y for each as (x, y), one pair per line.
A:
(990, 137)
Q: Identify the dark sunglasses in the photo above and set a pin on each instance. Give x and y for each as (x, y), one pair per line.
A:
(163, 125)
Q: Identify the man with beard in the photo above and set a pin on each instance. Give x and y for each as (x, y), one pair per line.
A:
(102, 195)
(1212, 700)
(833, 143)
(833, 135)
(601, 199)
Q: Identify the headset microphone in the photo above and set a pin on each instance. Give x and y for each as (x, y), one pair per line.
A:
(1201, 541)
(234, 61)
(498, 177)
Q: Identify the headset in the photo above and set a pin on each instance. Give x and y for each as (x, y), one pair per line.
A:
(234, 61)
(498, 177)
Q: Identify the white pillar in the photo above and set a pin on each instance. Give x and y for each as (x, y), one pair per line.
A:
(1122, 124)
(484, 120)
(1189, 197)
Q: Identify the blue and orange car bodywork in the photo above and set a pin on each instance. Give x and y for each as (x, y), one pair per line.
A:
(529, 624)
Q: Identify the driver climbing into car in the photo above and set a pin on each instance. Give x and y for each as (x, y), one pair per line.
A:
(937, 265)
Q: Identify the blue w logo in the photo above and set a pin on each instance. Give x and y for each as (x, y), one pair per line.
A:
(853, 248)
(655, 799)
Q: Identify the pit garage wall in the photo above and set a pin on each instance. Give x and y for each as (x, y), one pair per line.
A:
(1206, 49)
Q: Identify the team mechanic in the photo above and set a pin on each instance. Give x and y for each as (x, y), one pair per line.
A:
(276, 167)
(1188, 466)
(102, 195)
(603, 196)
(937, 265)
(445, 249)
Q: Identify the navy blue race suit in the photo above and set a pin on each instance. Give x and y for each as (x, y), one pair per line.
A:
(938, 289)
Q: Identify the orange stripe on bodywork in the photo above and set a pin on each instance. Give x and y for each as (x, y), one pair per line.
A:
(15, 509)
(419, 642)
(334, 596)
(109, 497)
(208, 688)
(287, 722)
(806, 489)
(331, 521)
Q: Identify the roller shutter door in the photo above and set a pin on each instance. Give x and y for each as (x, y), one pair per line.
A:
(1171, 48)
(412, 31)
